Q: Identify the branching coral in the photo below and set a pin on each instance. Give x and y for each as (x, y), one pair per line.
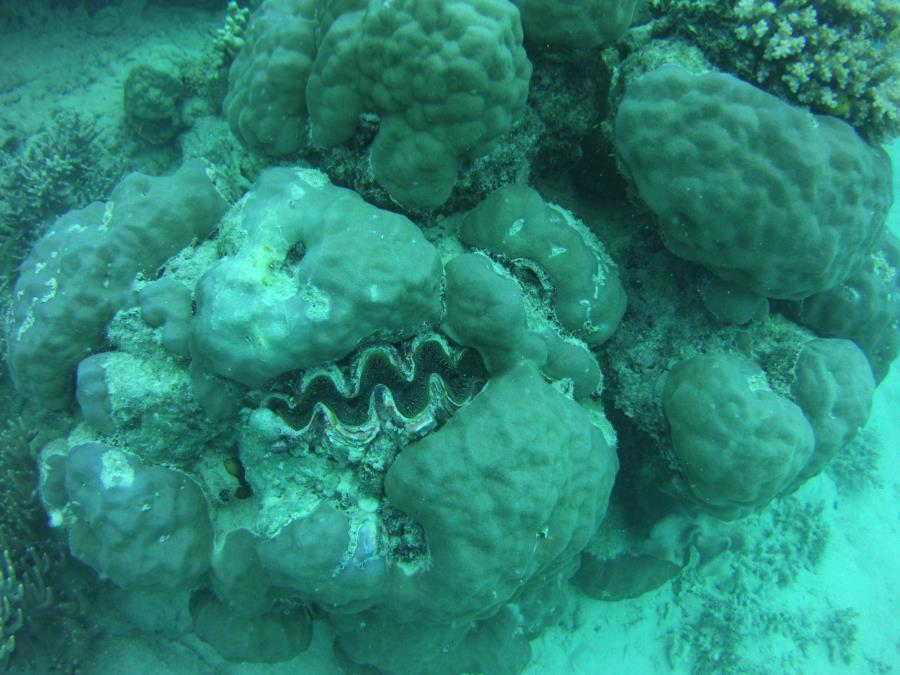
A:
(55, 170)
(59, 168)
(11, 592)
(230, 37)
(34, 601)
(837, 57)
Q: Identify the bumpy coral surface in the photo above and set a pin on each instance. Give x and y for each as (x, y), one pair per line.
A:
(266, 102)
(152, 100)
(865, 308)
(447, 79)
(737, 442)
(571, 23)
(228, 414)
(516, 223)
(783, 202)
(80, 272)
(265, 402)
(141, 526)
(834, 388)
(542, 446)
(289, 297)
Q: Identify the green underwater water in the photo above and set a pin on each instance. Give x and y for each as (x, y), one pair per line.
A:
(413, 336)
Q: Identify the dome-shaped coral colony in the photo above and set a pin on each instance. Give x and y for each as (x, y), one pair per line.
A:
(391, 418)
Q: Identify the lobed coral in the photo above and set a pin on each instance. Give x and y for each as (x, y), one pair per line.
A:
(516, 222)
(446, 79)
(143, 526)
(298, 407)
(865, 308)
(266, 102)
(737, 442)
(152, 96)
(781, 202)
(834, 388)
(290, 297)
(72, 283)
(143, 483)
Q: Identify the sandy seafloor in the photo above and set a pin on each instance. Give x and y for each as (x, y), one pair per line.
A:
(839, 615)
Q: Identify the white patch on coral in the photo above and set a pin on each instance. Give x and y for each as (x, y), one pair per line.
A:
(313, 178)
(883, 268)
(52, 286)
(318, 304)
(116, 470)
(107, 216)
(758, 382)
(297, 193)
(55, 518)
(26, 325)
(515, 228)
(599, 281)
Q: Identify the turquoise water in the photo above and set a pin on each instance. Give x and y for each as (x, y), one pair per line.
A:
(301, 378)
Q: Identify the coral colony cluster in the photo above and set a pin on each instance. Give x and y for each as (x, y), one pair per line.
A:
(398, 405)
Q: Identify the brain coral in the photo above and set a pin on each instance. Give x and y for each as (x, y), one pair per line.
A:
(770, 196)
